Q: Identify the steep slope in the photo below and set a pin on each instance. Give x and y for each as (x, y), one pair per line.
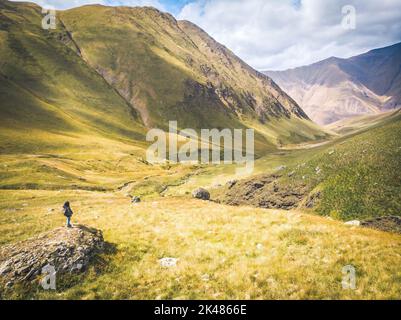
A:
(335, 88)
(49, 97)
(172, 70)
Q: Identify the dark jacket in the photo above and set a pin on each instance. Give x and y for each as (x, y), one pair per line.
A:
(67, 210)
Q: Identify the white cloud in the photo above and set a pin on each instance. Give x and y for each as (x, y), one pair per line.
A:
(280, 34)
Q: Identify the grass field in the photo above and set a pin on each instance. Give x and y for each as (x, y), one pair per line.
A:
(224, 252)
(75, 106)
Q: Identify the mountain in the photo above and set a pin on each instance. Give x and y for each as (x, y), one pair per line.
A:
(335, 88)
(114, 72)
(75, 106)
(172, 70)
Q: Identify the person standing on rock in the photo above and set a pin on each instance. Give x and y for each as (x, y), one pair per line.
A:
(68, 213)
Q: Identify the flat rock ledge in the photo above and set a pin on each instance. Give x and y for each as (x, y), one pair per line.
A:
(68, 250)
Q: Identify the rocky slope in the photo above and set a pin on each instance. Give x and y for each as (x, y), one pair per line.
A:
(335, 88)
(66, 249)
(170, 69)
(265, 191)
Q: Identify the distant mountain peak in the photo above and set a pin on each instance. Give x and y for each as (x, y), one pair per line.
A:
(336, 88)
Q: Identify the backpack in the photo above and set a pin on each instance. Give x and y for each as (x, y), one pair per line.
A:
(68, 212)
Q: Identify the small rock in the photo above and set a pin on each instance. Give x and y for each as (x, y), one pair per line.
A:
(168, 262)
(136, 200)
(259, 246)
(353, 223)
(291, 174)
(205, 277)
(231, 183)
(280, 168)
(201, 194)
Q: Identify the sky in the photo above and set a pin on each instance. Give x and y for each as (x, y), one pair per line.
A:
(282, 34)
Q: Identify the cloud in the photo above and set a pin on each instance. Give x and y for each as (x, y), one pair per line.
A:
(281, 34)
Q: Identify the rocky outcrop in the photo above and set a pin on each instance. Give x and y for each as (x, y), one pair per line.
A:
(68, 250)
(264, 191)
(388, 224)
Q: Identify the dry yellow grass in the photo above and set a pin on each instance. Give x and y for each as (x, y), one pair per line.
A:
(224, 252)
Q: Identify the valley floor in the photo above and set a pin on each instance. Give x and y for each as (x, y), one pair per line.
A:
(224, 252)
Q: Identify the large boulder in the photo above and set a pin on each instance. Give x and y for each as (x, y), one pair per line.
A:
(66, 250)
(201, 194)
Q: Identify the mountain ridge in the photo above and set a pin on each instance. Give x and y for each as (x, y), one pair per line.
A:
(115, 72)
(161, 19)
(337, 88)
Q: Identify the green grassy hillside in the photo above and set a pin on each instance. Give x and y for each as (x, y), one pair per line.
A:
(49, 95)
(352, 177)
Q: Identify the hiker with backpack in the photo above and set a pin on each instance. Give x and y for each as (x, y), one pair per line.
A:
(68, 213)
